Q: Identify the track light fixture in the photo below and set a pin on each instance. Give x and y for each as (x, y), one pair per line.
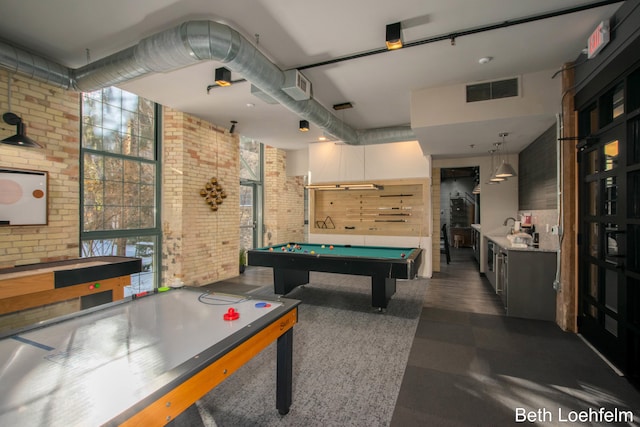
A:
(304, 125)
(223, 76)
(19, 138)
(394, 36)
(342, 106)
(338, 187)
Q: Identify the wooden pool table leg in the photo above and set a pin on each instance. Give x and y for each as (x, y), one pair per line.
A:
(284, 372)
(382, 289)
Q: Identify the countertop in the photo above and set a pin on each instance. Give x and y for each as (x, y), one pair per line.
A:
(504, 243)
(476, 227)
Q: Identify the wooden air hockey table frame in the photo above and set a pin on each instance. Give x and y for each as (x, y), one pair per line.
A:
(139, 361)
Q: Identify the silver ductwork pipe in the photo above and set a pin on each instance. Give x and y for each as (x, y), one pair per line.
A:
(18, 61)
(184, 45)
(384, 135)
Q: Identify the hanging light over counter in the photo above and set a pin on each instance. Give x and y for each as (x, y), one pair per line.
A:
(505, 170)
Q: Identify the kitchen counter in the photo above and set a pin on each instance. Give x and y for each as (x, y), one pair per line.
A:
(523, 277)
(504, 243)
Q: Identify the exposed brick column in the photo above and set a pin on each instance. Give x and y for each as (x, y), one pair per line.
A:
(200, 246)
(283, 200)
(567, 299)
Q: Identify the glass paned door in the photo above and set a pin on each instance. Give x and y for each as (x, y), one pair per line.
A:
(609, 294)
(248, 238)
(603, 250)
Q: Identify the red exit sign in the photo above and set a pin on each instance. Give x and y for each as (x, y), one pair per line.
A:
(598, 39)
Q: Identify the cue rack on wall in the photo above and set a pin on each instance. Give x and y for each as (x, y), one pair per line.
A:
(401, 208)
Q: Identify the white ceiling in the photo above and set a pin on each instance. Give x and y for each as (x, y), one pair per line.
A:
(303, 32)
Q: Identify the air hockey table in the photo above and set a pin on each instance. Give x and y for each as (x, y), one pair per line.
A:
(139, 361)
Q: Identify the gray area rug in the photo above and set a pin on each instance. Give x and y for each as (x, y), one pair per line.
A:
(348, 361)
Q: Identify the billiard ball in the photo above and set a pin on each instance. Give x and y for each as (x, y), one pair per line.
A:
(331, 247)
(402, 255)
(283, 249)
(270, 249)
(322, 246)
(313, 252)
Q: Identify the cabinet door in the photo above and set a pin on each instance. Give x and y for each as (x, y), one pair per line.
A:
(530, 291)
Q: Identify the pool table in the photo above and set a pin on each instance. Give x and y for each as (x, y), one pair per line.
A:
(292, 262)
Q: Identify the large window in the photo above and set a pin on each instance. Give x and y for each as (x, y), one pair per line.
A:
(120, 181)
(250, 193)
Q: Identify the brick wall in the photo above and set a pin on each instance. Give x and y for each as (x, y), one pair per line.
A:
(51, 118)
(200, 246)
(283, 200)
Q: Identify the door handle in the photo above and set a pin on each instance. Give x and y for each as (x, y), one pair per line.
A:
(617, 262)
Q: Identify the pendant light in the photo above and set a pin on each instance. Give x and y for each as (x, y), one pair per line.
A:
(505, 170)
(494, 178)
(19, 139)
(476, 180)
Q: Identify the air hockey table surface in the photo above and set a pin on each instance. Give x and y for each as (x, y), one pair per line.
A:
(123, 360)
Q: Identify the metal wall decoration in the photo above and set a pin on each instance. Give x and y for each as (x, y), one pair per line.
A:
(213, 193)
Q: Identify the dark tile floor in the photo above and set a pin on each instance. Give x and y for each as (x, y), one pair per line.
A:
(471, 365)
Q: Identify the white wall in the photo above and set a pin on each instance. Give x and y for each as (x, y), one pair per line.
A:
(297, 162)
(447, 104)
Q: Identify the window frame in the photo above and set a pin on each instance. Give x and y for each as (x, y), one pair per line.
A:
(144, 235)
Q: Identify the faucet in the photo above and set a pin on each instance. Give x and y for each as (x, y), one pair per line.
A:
(507, 220)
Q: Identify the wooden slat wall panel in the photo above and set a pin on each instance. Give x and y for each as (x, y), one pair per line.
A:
(400, 209)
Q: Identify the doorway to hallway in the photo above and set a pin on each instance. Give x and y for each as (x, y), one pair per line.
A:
(459, 206)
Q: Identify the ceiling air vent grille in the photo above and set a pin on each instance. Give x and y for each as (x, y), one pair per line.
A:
(492, 90)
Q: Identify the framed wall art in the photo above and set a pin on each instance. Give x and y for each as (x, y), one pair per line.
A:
(23, 197)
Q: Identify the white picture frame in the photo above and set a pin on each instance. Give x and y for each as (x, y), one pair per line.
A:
(23, 197)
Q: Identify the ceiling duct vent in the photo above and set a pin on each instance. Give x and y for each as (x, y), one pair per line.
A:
(296, 85)
(492, 90)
